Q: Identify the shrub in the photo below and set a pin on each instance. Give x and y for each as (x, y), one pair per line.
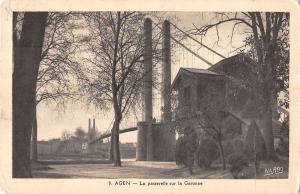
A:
(181, 151)
(238, 145)
(283, 147)
(186, 147)
(207, 152)
(233, 145)
(228, 147)
(238, 162)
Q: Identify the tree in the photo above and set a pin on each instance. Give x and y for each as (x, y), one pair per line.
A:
(212, 124)
(115, 73)
(267, 30)
(210, 119)
(80, 133)
(280, 63)
(66, 135)
(58, 69)
(27, 54)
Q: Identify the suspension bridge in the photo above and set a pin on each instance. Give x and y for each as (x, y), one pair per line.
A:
(155, 140)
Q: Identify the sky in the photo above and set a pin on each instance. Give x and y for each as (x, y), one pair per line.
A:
(52, 122)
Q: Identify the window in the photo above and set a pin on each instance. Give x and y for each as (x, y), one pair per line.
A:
(187, 96)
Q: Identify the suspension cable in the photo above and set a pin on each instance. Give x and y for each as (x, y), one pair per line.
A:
(198, 56)
(197, 41)
(178, 42)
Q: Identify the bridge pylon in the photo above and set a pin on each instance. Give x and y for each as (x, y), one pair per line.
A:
(155, 141)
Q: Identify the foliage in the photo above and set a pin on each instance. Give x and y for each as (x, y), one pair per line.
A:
(218, 124)
(281, 59)
(234, 145)
(207, 152)
(127, 68)
(114, 63)
(283, 147)
(186, 146)
(285, 125)
(66, 135)
(80, 133)
(255, 145)
(181, 151)
(59, 68)
(213, 123)
(270, 48)
(113, 73)
(237, 162)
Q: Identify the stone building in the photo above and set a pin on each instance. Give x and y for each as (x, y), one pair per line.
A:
(223, 86)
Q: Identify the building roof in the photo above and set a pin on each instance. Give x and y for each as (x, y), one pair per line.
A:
(193, 72)
(214, 70)
(201, 71)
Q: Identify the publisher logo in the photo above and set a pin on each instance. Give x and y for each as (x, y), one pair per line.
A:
(274, 170)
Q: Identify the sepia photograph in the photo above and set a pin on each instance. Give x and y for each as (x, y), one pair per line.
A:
(152, 95)
(139, 96)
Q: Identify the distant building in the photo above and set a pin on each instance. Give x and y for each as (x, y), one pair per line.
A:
(48, 147)
(76, 146)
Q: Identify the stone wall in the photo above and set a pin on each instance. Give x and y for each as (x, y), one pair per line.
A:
(141, 148)
(163, 142)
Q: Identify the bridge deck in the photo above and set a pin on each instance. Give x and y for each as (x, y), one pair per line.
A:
(109, 134)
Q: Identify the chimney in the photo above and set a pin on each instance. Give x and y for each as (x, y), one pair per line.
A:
(94, 126)
(89, 129)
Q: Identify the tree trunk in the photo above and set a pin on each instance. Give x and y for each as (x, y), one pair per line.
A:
(26, 64)
(117, 108)
(190, 161)
(267, 126)
(222, 154)
(34, 137)
(265, 51)
(111, 151)
(116, 146)
(268, 88)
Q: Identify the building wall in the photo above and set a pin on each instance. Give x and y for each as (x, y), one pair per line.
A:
(212, 94)
(141, 149)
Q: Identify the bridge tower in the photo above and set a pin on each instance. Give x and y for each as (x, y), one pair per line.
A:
(155, 141)
(167, 137)
(144, 142)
